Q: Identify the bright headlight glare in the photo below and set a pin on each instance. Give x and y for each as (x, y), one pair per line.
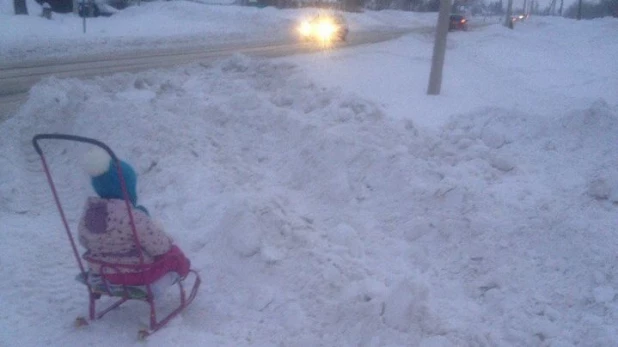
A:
(325, 30)
(305, 28)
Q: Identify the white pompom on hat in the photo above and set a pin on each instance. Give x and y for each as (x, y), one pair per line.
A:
(105, 178)
(96, 162)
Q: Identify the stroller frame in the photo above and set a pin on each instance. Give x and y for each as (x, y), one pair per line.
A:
(94, 294)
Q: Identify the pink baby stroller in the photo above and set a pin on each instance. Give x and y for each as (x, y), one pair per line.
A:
(99, 286)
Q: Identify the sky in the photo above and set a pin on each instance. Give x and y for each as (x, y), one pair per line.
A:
(324, 198)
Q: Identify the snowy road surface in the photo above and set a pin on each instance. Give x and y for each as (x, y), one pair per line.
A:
(17, 78)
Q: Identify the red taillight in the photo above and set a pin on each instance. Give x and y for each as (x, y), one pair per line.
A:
(463, 21)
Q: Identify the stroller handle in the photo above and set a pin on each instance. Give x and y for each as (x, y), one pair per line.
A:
(38, 137)
(125, 194)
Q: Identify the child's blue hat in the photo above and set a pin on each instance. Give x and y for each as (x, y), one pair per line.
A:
(104, 176)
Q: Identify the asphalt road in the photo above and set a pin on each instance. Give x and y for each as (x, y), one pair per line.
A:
(17, 79)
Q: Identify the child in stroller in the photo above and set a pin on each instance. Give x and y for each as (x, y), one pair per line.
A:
(106, 231)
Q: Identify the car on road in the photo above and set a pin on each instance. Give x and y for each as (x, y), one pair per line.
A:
(521, 16)
(458, 22)
(95, 9)
(324, 28)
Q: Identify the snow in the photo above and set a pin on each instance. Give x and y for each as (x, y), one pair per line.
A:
(324, 198)
(165, 24)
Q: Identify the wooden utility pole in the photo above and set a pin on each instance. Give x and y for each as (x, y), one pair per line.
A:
(439, 48)
(19, 6)
(579, 10)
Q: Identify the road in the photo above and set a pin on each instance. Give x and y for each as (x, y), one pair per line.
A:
(16, 79)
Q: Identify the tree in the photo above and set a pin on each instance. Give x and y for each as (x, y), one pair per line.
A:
(590, 10)
(20, 7)
(613, 7)
(535, 7)
(496, 7)
(508, 20)
(433, 5)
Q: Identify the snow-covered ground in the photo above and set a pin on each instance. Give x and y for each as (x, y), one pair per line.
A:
(166, 24)
(324, 198)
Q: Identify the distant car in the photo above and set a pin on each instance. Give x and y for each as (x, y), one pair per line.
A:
(458, 22)
(521, 17)
(85, 8)
(324, 28)
(95, 8)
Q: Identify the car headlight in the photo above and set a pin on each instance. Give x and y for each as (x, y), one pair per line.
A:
(325, 30)
(305, 28)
